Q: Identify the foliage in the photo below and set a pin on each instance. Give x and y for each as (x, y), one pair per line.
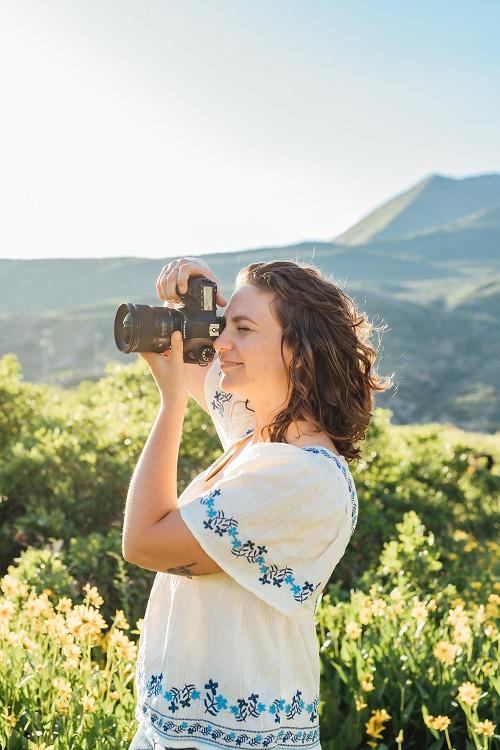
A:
(65, 674)
(410, 651)
(67, 456)
(410, 618)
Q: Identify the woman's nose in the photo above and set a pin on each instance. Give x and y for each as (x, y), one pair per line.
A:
(222, 341)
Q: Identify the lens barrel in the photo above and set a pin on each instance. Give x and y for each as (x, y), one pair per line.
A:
(142, 328)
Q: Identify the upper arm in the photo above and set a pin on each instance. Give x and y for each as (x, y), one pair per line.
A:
(172, 548)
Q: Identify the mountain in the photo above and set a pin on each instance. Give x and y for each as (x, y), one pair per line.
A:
(436, 289)
(434, 202)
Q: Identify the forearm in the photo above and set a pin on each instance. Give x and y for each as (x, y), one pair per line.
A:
(153, 489)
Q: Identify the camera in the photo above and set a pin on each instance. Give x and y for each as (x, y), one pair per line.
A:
(142, 328)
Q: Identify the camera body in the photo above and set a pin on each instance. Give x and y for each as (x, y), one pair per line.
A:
(142, 328)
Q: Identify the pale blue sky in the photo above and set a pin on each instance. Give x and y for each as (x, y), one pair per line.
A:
(168, 127)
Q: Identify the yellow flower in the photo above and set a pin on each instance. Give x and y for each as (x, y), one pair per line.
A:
(375, 724)
(7, 609)
(62, 685)
(353, 630)
(378, 607)
(13, 587)
(367, 683)
(43, 746)
(469, 693)
(93, 595)
(124, 647)
(360, 705)
(493, 608)
(114, 695)
(486, 668)
(461, 634)
(365, 614)
(458, 616)
(459, 535)
(64, 605)
(38, 606)
(438, 722)
(88, 703)
(120, 620)
(85, 620)
(485, 727)
(446, 652)
(476, 585)
(139, 624)
(9, 718)
(419, 612)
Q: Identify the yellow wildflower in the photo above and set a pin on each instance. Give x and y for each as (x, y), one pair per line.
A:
(7, 609)
(419, 612)
(124, 647)
(459, 535)
(85, 620)
(367, 683)
(88, 703)
(353, 630)
(13, 587)
(64, 605)
(139, 624)
(62, 685)
(93, 595)
(461, 634)
(365, 614)
(378, 607)
(446, 652)
(360, 705)
(492, 607)
(10, 718)
(469, 693)
(485, 727)
(72, 652)
(458, 616)
(38, 606)
(121, 620)
(439, 722)
(480, 614)
(114, 695)
(375, 724)
(486, 668)
(476, 585)
(43, 746)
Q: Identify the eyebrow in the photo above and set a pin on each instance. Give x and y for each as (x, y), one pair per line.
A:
(239, 318)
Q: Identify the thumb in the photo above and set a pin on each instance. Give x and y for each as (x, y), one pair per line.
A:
(176, 344)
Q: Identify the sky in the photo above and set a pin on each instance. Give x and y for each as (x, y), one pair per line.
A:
(163, 128)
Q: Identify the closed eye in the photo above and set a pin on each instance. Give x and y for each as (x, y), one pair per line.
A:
(242, 328)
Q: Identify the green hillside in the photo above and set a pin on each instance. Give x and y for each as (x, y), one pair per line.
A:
(434, 202)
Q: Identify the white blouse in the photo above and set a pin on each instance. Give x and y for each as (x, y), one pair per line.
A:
(231, 659)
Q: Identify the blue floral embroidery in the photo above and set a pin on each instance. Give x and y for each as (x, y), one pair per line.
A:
(181, 697)
(244, 710)
(153, 685)
(254, 553)
(220, 399)
(348, 478)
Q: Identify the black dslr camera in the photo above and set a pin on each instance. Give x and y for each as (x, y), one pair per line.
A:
(141, 328)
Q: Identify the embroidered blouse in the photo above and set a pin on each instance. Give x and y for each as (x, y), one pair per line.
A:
(231, 659)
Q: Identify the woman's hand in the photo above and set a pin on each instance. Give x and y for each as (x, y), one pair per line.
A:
(177, 274)
(169, 372)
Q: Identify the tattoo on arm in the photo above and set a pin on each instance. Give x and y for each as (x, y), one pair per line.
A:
(183, 570)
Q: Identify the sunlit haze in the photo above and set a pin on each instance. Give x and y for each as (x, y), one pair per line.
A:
(161, 128)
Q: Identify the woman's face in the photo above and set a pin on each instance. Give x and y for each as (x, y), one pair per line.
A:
(250, 349)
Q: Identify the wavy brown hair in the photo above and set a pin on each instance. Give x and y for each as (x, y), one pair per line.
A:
(331, 376)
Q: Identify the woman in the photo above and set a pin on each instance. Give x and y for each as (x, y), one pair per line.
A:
(228, 654)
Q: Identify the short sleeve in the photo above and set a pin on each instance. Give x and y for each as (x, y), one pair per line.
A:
(230, 414)
(277, 522)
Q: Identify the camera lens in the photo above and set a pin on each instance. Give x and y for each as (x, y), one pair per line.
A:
(127, 328)
(141, 328)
